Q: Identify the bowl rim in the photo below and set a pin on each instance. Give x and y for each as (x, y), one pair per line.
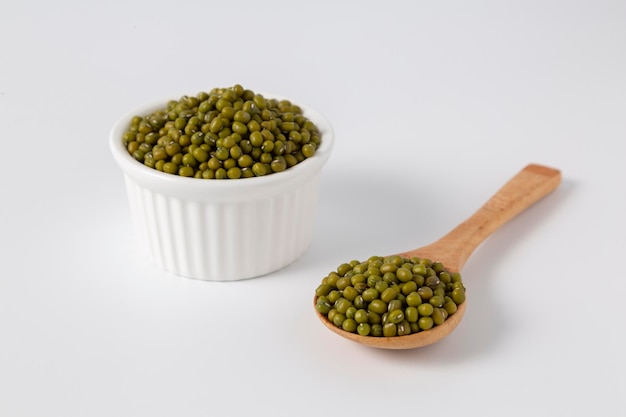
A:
(188, 187)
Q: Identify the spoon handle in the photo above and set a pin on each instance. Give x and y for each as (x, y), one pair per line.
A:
(522, 191)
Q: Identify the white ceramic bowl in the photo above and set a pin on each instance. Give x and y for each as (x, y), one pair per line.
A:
(223, 230)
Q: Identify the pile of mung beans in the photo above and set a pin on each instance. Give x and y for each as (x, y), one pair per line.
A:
(389, 296)
(227, 133)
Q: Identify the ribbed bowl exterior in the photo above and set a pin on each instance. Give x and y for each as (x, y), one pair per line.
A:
(223, 230)
(224, 241)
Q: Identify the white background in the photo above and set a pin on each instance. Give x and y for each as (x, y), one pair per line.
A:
(435, 105)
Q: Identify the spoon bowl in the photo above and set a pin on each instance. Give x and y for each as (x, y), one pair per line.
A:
(527, 187)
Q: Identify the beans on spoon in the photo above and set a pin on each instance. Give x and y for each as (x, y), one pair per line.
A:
(385, 313)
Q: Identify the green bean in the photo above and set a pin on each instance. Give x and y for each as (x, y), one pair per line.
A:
(364, 329)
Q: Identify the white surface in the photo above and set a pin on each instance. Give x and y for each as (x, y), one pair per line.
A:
(434, 104)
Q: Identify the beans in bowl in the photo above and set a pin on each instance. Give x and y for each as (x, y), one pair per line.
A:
(226, 133)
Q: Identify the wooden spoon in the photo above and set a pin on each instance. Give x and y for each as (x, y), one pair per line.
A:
(452, 250)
